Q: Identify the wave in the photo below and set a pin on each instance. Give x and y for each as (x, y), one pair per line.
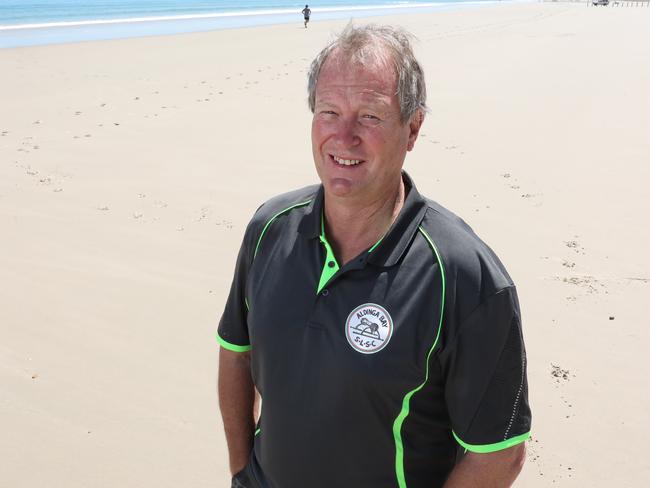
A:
(241, 13)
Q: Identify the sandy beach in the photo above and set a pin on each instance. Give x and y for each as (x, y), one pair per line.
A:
(130, 168)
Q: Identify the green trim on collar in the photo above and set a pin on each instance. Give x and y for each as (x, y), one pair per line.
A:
(331, 265)
(376, 244)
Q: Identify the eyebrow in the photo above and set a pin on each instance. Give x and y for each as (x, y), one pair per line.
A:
(372, 101)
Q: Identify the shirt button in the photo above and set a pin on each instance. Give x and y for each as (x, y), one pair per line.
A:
(325, 292)
(331, 264)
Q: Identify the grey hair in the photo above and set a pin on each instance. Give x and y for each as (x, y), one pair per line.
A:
(378, 44)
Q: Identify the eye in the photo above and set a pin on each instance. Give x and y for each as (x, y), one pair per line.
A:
(370, 120)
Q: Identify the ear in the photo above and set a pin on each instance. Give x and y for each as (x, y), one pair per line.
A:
(414, 128)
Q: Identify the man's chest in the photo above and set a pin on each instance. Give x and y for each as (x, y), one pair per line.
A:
(370, 328)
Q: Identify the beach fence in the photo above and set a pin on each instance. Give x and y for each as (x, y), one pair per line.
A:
(619, 3)
(633, 3)
(605, 3)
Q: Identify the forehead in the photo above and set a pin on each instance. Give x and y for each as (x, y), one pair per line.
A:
(370, 76)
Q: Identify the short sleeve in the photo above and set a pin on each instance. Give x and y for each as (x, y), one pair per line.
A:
(232, 333)
(486, 388)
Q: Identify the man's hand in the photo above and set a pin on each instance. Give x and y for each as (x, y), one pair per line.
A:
(492, 470)
(237, 403)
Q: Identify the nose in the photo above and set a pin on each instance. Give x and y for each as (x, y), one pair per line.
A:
(347, 132)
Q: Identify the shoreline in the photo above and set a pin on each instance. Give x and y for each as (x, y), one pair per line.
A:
(66, 32)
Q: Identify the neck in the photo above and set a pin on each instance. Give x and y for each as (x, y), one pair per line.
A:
(353, 227)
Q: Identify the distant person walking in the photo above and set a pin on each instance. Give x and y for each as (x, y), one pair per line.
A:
(306, 12)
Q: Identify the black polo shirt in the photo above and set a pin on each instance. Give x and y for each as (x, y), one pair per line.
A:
(381, 372)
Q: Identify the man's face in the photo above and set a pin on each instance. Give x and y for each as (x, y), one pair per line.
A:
(358, 139)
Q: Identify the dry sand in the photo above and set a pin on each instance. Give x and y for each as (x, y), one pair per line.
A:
(129, 169)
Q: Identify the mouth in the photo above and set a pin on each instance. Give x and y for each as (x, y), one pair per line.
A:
(345, 161)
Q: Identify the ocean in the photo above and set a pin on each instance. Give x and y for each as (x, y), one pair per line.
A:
(28, 22)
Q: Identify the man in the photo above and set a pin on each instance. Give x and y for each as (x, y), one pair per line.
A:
(382, 334)
(306, 12)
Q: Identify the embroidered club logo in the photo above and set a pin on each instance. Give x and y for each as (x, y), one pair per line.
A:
(368, 328)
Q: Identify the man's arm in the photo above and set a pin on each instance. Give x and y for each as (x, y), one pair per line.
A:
(490, 470)
(237, 403)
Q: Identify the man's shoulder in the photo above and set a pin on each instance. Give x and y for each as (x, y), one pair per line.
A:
(464, 255)
(282, 203)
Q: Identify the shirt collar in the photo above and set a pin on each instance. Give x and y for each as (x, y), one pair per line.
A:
(399, 236)
(397, 239)
(310, 224)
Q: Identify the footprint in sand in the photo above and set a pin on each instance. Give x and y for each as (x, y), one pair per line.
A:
(203, 214)
(225, 223)
(575, 245)
(560, 374)
(589, 283)
(515, 186)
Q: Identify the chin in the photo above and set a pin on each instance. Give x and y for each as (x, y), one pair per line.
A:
(341, 187)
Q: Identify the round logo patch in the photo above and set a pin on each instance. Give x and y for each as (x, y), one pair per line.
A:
(368, 328)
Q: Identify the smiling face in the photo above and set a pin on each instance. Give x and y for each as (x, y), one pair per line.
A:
(359, 141)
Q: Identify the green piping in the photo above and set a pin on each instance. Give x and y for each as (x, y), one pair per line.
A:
(376, 244)
(232, 347)
(257, 432)
(328, 271)
(271, 221)
(497, 446)
(266, 226)
(399, 421)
